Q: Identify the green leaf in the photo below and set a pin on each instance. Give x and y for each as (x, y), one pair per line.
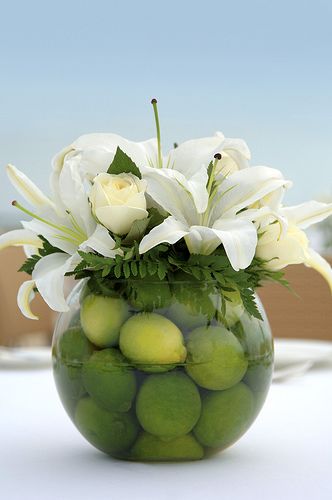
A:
(162, 269)
(106, 271)
(152, 267)
(122, 163)
(46, 249)
(136, 231)
(29, 264)
(142, 269)
(118, 270)
(126, 270)
(134, 268)
(155, 217)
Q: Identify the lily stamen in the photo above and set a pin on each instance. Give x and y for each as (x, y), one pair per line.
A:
(156, 117)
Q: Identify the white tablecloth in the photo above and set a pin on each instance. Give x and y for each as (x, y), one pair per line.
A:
(287, 454)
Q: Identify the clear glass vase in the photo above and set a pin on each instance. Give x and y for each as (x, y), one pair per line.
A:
(161, 370)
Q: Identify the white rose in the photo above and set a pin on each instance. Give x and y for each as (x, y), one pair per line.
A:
(118, 200)
(291, 248)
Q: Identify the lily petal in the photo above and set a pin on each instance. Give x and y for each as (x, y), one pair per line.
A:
(190, 156)
(196, 185)
(170, 189)
(101, 241)
(30, 250)
(19, 237)
(49, 275)
(74, 197)
(201, 240)
(245, 187)
(27, 188)
(25, 295)
(56, 238)
(306, 214)
(317, 262)
(169, 231)
(239, 238)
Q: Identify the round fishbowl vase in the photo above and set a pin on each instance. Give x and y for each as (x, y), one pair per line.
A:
(161, 370)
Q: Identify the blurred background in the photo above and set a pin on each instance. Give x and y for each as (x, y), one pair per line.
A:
(257, 70)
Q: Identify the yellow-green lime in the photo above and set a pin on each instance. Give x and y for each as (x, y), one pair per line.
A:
(216, 359)
(152, 448)
(111, 432)
(102, 317)
(225, 416)
(151, 339)
(168, 405)
(109, 380)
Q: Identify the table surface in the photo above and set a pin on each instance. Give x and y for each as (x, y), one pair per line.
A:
(287, 453)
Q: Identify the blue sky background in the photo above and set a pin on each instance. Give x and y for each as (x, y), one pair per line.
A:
(260, 70)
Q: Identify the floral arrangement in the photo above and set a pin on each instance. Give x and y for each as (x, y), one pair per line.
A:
(124, 210)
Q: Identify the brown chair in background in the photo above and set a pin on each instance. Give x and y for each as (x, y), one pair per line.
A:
(308, 314)
(15, 329)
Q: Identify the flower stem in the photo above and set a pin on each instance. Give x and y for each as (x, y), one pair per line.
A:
(156, 117)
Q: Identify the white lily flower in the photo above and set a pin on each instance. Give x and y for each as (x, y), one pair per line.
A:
(70, 229)
(222, 219)
(292, 246)
(190, 156)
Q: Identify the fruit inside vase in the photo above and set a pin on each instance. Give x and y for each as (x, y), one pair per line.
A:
(161, 371)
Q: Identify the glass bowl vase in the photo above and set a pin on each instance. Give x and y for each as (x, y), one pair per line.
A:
(161, 370)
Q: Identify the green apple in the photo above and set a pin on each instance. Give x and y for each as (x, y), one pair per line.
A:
(216, 359)
(102, 317)
(168, 405)
(225, 416)
(109, 380)
(149, 339)
(151, 448)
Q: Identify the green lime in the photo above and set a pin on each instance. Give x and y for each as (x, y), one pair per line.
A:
(109, 380)
(258, 379)
(74, 347)
(151, 448)
(168, 405)
(69, 354)
(215, 359)
(102, 317)
(111, 432)
(225, 416)
(152, 339)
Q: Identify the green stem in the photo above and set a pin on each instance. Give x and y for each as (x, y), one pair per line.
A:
(156, 117)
